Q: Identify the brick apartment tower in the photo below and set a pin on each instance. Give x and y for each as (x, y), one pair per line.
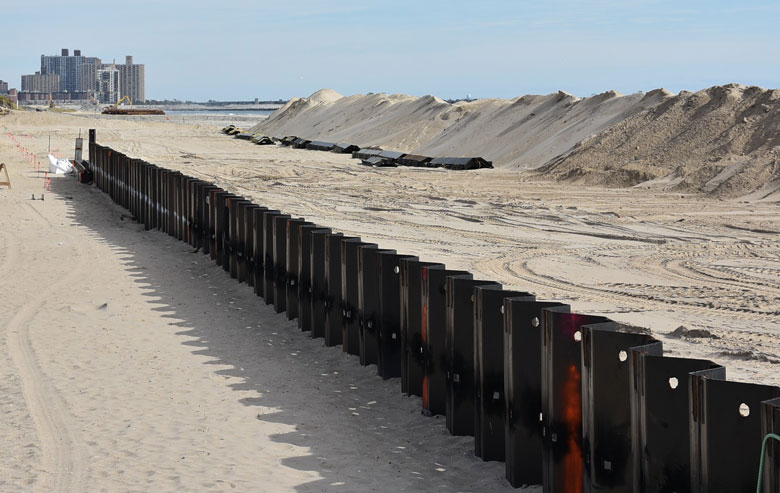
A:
(132, 80)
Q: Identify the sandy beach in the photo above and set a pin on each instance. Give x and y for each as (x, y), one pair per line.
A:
(130, 363)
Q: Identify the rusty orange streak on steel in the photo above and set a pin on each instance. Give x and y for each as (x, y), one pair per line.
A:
(572, 462)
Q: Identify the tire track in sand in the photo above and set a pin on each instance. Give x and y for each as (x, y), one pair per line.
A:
(61, 458)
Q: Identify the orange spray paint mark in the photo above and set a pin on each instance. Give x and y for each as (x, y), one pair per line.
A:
(572, 404)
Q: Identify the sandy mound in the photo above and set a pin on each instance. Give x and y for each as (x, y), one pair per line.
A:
(522, 133)
(391, 120)
(721, 141)
(528, 132)
(325, 96)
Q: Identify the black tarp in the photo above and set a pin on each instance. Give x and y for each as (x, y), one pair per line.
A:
(263, 140)
(318, 145)
(460, 163)
(366, 153)
(300, 143)
(414, 160)
(392, 156)
(345, 148)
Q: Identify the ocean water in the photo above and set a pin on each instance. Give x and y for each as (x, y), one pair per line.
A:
(221, 113)
(221, 118)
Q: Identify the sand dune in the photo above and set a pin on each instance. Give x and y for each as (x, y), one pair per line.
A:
(394, 121)
(521, 133)
(720, 141)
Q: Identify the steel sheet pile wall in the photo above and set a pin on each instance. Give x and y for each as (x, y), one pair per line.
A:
(574, 402)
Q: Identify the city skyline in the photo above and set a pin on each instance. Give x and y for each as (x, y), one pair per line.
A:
(80, 78)
(449, 49)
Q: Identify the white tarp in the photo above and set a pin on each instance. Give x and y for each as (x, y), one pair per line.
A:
(60, 166)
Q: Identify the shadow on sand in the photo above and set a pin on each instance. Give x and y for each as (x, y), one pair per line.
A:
(360, 433)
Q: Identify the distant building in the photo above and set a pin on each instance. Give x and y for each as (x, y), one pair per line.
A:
(69, 68)
(89, 74)
(132, 80)
(78, 77)
(108, 84)
(41, 83)
(3, 87)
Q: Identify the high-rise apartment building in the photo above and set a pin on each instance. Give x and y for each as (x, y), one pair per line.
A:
(89, 75)
(132, 80)
(108, 84)
(79, 77)
(41, 83)
(70, 69)
(3, 87)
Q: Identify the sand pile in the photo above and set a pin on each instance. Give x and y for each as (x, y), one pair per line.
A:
(530, 131)
(521, 133)
(390, 120)
(721, 141)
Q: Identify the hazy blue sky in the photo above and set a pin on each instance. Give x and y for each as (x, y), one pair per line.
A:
(241, 49)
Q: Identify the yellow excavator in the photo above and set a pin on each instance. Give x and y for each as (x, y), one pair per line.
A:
(122, 100)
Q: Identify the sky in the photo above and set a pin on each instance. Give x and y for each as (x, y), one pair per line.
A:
(240, 50)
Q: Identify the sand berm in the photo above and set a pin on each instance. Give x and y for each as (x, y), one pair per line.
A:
(721, 141)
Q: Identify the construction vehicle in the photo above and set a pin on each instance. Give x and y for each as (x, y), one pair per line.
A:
(116, 110)
(122, 100)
